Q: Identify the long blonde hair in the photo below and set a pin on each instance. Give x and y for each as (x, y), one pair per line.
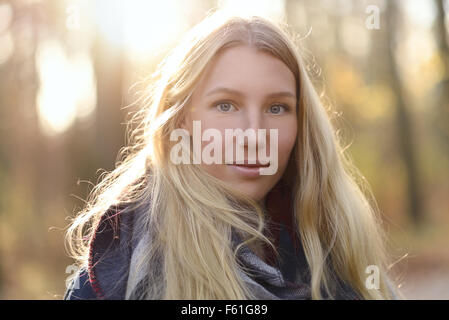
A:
(192, 214)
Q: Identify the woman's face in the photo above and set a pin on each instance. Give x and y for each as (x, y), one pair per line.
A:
(244, 89)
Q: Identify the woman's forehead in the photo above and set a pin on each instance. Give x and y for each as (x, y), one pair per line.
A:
(246, 69)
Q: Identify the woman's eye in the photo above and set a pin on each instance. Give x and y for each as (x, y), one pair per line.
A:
(278, 109)
(225, 107)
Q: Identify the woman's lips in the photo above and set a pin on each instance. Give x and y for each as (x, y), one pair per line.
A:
(248, 170)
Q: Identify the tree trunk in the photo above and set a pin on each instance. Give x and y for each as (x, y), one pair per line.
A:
(403, 121)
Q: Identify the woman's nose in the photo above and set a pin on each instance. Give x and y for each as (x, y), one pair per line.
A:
(253, 120)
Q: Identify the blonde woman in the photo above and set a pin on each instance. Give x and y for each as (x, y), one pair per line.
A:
(169, 223)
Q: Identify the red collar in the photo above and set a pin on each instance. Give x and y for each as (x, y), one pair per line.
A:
(279, 212)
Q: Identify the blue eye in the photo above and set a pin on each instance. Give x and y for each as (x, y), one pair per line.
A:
(225, 107)
(278, 109)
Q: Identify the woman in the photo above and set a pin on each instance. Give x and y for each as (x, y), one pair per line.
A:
(294, 225)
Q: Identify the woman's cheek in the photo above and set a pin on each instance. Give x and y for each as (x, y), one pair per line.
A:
(286, 144)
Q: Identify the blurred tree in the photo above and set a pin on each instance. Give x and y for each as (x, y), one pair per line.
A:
(108, 63)
(441, 116)
(403, 119)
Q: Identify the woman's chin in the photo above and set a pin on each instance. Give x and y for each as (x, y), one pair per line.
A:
(254, 191)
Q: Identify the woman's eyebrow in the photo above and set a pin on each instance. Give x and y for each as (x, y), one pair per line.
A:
(241, 94)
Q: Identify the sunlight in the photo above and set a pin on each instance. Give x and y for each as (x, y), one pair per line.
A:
(264, 8)
(6, 40)
(142, 27)
(67, 87)
(152, 24)
(422, 13)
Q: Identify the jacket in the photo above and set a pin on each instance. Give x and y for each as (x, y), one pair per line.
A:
(114, 246)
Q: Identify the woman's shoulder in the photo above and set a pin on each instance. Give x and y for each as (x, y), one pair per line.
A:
(80, 287)
(110, 250)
